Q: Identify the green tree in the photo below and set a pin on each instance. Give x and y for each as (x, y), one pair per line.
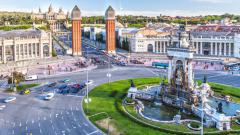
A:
(17, 78)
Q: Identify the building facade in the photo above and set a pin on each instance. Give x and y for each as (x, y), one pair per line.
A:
(76, 32)
(56, 20)
(223, 44)
(20, 45)
(110, 30)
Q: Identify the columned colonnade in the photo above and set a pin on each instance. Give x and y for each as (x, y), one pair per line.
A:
(202, 48)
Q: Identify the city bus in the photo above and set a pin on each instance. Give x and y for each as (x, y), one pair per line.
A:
(160, 65)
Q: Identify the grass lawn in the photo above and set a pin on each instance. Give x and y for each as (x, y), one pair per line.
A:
(104, 99)
(22, 87)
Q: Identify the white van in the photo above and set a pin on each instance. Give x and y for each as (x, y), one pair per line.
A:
(31, 78)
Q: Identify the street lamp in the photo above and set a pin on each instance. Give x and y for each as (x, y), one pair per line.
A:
(87, 82)
(109, 74)
(202, 114)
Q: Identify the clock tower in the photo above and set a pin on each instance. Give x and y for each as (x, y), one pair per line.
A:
(110, 30)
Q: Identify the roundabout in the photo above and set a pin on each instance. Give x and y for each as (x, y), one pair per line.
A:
(115, 115)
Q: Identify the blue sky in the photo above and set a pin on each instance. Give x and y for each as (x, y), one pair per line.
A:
(135, 7)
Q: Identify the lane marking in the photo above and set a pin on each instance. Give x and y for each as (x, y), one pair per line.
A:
(75, 96)
(85, 131)
(92, 132)
(85, 124)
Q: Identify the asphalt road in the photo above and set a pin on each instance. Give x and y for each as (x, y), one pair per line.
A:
(63, 115)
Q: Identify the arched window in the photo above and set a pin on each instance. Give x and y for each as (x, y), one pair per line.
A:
(46, 50)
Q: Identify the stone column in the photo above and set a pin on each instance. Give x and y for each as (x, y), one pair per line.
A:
(201, 48)
(211, 48)
(190, 74)
(50, 45)
(36, 50)
(225, 49)
(155, 46)
(229, 49)
(216, 48)
(14, 52)
(158, 46)
(4, 53)
(19, 51)
(32, 50)
(40, 48)
(170, 70)
(220, 49)
(164, 47)
(27, 51)
(197, 47)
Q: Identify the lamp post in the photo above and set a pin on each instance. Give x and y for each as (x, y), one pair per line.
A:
(202, 113)
(88, 100)
(109, 74)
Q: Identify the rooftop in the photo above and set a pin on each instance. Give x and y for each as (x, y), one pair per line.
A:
(20, 33)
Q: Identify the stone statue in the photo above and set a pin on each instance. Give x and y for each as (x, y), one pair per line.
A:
(132, 84)
(220, 109)
(205, 79)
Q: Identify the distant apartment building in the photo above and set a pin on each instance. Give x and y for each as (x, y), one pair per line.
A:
(21, 45)
(56, 20)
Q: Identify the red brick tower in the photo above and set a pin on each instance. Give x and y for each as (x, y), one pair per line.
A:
(76, 32)
(110, 30)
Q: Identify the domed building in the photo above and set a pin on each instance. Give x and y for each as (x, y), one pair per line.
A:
(56, 20)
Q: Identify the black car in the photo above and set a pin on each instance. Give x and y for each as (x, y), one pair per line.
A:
(52, 84)
(65, 91)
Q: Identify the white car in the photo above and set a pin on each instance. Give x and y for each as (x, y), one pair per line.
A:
(31, 78)
(49, 96)
(2, 107)
(89, 82)
(10, 99)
